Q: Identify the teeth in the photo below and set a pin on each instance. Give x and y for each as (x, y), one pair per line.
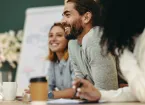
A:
(66, 28)
(54, 44)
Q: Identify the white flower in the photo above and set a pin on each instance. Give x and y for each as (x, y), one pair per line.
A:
(10, 46)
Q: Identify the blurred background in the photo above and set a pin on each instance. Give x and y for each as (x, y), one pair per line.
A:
(12, 12)
(12, 18)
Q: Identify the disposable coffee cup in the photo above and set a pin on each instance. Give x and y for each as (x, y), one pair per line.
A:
(39, 89)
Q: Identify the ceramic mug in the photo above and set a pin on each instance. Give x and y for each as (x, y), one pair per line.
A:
(9, 90)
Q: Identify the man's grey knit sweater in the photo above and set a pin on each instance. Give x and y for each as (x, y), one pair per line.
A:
(87, 59)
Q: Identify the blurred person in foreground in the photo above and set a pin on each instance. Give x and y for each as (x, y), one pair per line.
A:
(124, 37)
(82, 18)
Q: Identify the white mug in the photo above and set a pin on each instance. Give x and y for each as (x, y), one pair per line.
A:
(9, 90)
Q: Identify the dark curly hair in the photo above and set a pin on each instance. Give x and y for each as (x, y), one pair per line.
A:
(123, 20)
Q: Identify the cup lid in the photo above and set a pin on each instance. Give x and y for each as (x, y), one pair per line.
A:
(38, 79)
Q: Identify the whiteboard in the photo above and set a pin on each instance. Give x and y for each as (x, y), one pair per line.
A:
(35, 43)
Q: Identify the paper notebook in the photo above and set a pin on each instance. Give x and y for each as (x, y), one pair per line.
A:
(72, 101)
(64, 101)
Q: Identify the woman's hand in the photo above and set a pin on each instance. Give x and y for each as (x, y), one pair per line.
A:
(87, 91)
(27, 90)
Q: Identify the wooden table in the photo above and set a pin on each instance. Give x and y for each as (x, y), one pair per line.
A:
(23, 103)
(13, 103)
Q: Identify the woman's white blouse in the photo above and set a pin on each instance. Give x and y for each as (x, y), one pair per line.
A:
(132, 66)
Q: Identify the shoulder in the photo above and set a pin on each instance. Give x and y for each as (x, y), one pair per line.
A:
(50, 65)
(73, 47)
(140, 50)
(68, 63)
(92, 38)
(141, 41)
(72, 43)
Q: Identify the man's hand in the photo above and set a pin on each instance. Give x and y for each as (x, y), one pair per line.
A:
(87, 91)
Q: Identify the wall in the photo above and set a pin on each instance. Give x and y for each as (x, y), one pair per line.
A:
(12, 12)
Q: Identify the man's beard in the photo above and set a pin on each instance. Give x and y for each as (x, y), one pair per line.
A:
(74, 33)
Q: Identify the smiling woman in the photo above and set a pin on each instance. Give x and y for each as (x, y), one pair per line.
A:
(60, 73)
(57, 43)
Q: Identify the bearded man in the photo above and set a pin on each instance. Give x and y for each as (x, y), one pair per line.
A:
(82, 18)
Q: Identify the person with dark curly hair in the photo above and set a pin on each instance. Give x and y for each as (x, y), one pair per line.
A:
(124, 37)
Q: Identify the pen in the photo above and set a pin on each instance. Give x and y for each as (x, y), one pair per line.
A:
(80, 85)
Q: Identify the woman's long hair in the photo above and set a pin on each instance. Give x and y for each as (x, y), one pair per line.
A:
(52, 55)
(123, 20)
